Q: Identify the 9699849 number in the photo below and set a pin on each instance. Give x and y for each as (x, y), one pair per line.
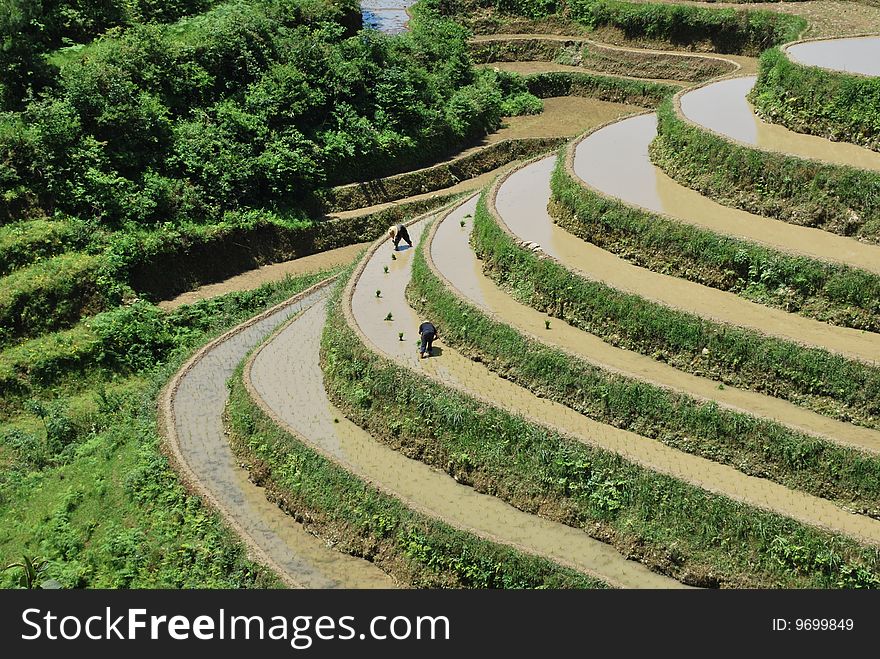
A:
(813, 624)
(823, 624)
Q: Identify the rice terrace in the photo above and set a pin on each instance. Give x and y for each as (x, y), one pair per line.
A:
(647, 234)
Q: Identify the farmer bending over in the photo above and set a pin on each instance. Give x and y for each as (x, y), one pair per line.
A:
(428, 333)
(397, 233)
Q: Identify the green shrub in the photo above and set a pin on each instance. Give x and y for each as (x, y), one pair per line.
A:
(133, 337)
(49, 295)
(256, 103)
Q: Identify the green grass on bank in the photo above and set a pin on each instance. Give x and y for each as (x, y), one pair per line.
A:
(814, 378)
(675, 528)
(85, 484)
(809, 99)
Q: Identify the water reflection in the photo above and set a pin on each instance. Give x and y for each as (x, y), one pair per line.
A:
(388, 16)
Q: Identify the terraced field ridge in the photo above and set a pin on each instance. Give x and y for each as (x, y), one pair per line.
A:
(723, 107)
(306, 410)
(624, 500)
(193, 405)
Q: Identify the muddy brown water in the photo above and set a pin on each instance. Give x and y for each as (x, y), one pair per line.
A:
(860, 55)
(293, 388)
(614, 160)
(522, 200)
(198, 408)
(450, 248)
(723, 107)
(453, 368)
(456, 261)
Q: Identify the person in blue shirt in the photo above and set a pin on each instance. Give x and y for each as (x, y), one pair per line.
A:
(428, 334)
(397, 233)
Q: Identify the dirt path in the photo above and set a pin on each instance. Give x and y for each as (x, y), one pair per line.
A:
(192, 408)
(293, 390)
(274, 272)
(453, 260)
(453, 369)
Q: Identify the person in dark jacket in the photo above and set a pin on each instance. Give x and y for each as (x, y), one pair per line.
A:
(397, 233)
(428, 334)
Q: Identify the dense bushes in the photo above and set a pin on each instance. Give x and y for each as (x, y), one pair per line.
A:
(844, 200)
(23, 243)
(254, 103)
(28, 29)
(830, 292)
(836, 105)
(815, 378)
